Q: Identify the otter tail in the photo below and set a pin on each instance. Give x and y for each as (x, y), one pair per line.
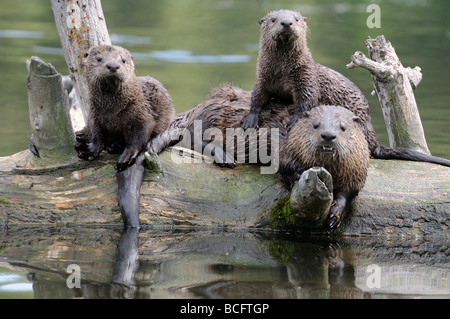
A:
(383, 152)
(129, 181)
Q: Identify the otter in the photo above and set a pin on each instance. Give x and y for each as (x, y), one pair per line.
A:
(224, 108)
(287, 73)
(125, 112)
(344, 133)
(327, 136)
(330, 137)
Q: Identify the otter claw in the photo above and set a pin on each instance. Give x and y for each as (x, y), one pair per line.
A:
(249, 121)
(127, 158)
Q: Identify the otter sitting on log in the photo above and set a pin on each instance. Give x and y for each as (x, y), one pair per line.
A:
(125, 112)
(286, 72)
(330, 137)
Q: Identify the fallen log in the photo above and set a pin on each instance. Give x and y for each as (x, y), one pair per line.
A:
(399, 198)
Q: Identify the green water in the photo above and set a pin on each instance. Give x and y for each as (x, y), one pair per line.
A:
(193, 46)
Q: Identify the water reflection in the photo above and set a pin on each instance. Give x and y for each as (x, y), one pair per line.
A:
(183, 56)
(167, 56)
(126, 264)
(221, 264)
(21, 34)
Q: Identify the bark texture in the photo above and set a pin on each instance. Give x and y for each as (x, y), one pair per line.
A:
(394, 86)
(81, 25)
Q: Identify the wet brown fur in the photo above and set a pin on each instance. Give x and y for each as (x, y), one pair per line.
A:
(287, 71)
(299, 147)
(125, 111)
(347, 164)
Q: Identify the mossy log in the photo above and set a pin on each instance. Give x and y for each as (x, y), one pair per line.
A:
(399, 198)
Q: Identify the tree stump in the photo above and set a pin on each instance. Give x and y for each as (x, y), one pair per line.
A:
(394, 86)
(52, 138)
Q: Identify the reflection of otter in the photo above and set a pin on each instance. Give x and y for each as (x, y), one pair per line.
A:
(125, 110)
(126, 265)
(329, 137)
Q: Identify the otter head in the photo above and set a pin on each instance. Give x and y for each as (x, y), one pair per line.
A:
(333, 128)
(108, 63)
(283, 26)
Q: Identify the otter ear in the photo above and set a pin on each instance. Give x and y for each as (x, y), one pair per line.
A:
(132, 57)
(305, 19)
(356, 119)
(261, 21)
(85, 55)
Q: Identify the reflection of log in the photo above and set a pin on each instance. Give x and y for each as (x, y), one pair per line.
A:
(394, 86)
(216, 264)
(81, 25)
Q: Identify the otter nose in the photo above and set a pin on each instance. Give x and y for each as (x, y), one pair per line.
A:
(113, 66)
(328, 136)
(286, 24)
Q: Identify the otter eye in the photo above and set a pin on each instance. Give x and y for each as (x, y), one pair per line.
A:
(343, 127)
(124, 61)
(99, 59)
(273, 19)
(316, 125)
(296, 19)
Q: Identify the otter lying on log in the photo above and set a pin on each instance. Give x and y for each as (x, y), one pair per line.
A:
(327, 136)
(125, 112)
(342, 148)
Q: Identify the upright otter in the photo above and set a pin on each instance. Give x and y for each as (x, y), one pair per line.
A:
(125, 112)
(287, 73)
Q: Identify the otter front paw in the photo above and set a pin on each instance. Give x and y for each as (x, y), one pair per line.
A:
(127, 158)
(250, 121)
(336, 215)
(85, 149)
